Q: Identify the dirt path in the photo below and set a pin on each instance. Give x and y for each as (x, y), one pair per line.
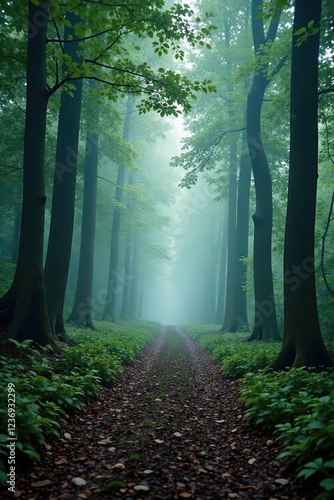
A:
(171, 427)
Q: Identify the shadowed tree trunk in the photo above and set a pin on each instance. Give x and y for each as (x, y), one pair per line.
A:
(303, 344)
(23, 310)
(114, 284)
(231, 229)
(239, 319)
(82, 307)
(63, 198)
(265, 321)
(16, 235)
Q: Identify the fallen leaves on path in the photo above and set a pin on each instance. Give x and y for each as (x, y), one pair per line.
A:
(171, 427)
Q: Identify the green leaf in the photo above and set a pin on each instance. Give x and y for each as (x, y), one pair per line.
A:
(3, 475)
(32, 453)
(301, 31)
(327, 484)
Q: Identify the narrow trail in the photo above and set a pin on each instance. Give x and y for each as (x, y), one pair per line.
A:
(170, 427)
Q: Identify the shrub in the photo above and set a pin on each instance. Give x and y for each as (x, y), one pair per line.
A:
(299, 406)
(47, 391)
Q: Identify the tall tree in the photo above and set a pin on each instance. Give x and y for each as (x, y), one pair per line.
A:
(63, 197)
(23, 309)
(303, 344)
(221, 293)
(82, 307)
(239, 318)
(128, 255)
(113, 276)
(265, 322)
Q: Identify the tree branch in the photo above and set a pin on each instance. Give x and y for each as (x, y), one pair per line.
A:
(326, 91)
(273, 27)
(257, 26)
(278, 67)
(323, 272)
(61, 41)
(58, 35)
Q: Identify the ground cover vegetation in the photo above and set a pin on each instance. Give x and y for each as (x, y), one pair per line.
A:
(48, 390)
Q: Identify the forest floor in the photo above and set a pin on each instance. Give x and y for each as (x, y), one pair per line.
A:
(171, 427)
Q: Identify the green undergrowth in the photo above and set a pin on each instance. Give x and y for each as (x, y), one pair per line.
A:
(232, 351)
(44, 391)
(296, 405)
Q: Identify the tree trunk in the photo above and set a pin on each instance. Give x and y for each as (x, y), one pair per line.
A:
(23, 310)
(134, 290)
(63, 198)
(127, 279)
(114, 285)
(220, 308)
(239, 320)
(303, 344)
(265, 321)
(16, 236)
(82, 307)
(231, 230)
(209, 283)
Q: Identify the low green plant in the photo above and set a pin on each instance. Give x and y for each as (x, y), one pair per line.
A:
(86, 358)
(298, 405)
(47, 391)
(232, 351)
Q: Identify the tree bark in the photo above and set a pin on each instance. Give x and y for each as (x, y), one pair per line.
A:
(265, 321)
(82, 308)
(231, 230)
(127, 278)
(303, 344)
(16, 235)
(114, 285)
(23, 309)
(220, 309)
(63, 198)
(127, 263)
(239, 307)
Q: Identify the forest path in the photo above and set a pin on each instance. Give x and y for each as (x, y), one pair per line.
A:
(170, 427)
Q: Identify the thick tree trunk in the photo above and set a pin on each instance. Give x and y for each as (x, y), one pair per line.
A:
(239, 319)
(265, 321)
(23, 310)
(16, 236)
(303, 344)
(114, 284)
(82, 308)
(63, 198)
